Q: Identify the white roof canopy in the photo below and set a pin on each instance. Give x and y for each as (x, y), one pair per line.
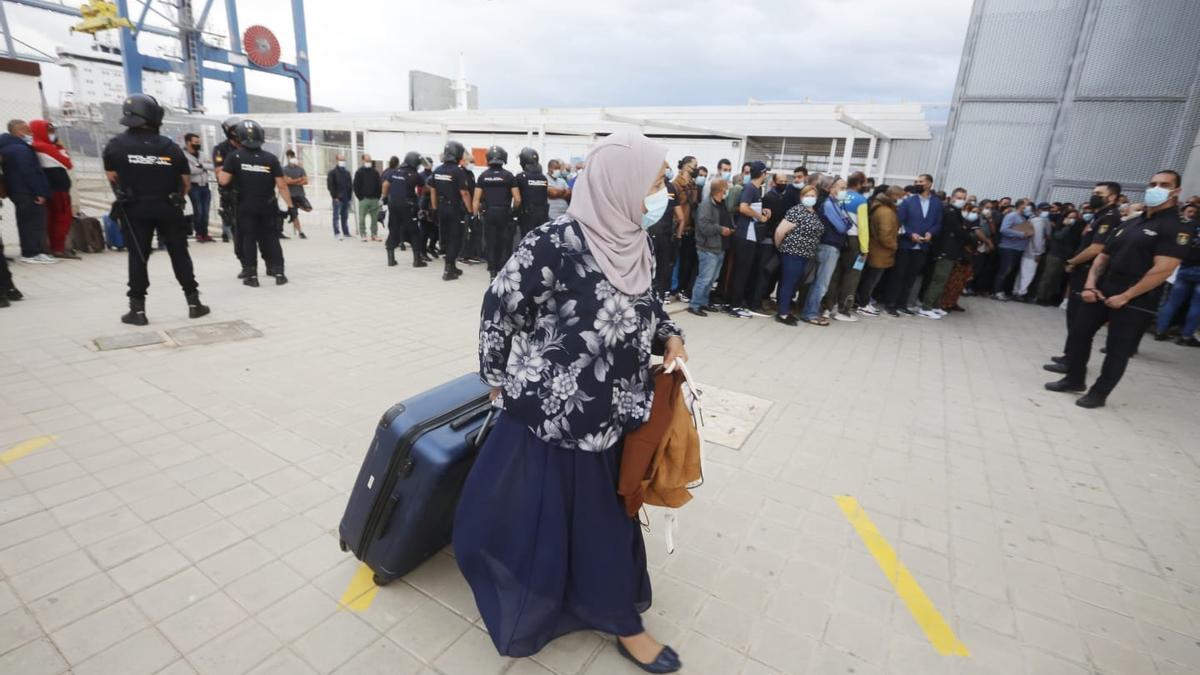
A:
(803, 120)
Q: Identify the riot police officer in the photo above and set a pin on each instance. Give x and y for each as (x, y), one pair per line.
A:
(1122, 290)
(452, 202)
(401, 187)
(256, 176)
(532, 184)
(226, 200)
(496, 196)
(150, 176)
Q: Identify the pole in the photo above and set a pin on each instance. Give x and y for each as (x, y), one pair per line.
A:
(832, 152)
(129, 54)
(847, 153)
(239, 102)
(9, 48)
(870, 155)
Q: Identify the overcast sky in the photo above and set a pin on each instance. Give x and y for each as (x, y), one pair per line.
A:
(610, 52)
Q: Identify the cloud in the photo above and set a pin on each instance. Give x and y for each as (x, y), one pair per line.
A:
(619, 52)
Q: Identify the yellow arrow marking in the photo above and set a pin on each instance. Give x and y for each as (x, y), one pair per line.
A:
(361, 592)
(936, 629)
(24, 448)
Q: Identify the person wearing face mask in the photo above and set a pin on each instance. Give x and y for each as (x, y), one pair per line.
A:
(661, 222)
(798, 238)
(833, 240)
(340, 186)
(368, 189)
(226, 199)
(791, 196)
(1185, 293)
(453, 204)
(296, 178)
(714, 227)
(767, 266)
(975, 242)
(687, 188)
(750, 214)
(839, 300)
(1092, 240)
(564, 335)
(1015, 233)
(947, 250)
(983, 262)
(1122, 290)
(558, 193)
(921, 218)
(1064, 238)
(199, 193)
(885, 233)
(56, 163)
(723, 169)
(1032, 255)
(28, 189)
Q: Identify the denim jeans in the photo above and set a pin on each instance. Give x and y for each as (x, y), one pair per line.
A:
(827, 257)
(341, 210)
(1009, 259)
(1187, 288)
(790, 273)
(201, 198)
(710, 266)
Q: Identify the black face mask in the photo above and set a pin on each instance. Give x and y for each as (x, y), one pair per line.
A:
(1097, 202)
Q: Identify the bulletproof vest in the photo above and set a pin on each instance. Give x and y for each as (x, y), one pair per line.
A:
(533, 190)
(497, 187)
(144, 166)
(446, 185)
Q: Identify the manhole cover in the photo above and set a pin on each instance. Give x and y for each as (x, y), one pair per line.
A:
(127, 341)
(207, 334)
(730, 416)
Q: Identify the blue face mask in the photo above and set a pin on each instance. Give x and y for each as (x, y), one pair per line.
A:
(746, 179)
(1027, 211)
(727, 175)
(1157, 196)
(1087, 217)
(656, 206)
(700, 180)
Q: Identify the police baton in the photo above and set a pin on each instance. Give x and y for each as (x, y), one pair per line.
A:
(1128, 305)
(130, 234)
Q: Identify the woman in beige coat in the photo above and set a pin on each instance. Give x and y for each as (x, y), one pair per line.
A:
(885, 230)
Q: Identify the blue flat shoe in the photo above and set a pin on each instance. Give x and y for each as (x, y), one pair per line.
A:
(667, 661)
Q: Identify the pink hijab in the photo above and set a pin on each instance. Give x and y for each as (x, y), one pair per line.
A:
(607, 203)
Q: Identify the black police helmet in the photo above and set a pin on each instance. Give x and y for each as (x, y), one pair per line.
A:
(497, 156)
(250, 134)
(453, 152)
(412, 160)
(229, 127)
(141, 110)
(527, 157)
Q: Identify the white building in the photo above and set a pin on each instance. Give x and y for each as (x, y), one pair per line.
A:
(97, 77)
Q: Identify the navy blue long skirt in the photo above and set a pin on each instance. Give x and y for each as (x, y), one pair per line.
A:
(542, 538)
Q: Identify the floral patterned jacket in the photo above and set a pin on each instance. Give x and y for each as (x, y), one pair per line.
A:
(571, 353)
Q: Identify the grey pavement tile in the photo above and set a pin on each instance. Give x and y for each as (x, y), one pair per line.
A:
(98, 631)
(76, 601)
(236, 651)
(174, 593)
(201, 621)
(235, 561)
(30, 554)
(208, 540)
(53, 575)
(283, 662)
(1051, 636)
(569, 653)
(144, 653)
(334, 641)
(264, 586)
(428, 631)
(33, 658)
(472, 653)
(148, 568)
(125, 546)
(297, 613)
(392, 604)
(383, 657)
(17, 627)
(778, 647)
(725, 623)
(104, 526)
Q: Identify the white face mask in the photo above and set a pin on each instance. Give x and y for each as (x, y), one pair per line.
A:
(293, 161)
(959, 203)
(53, 138)
(971, 217)
(656, 206)
(342, 163)
(809, 201)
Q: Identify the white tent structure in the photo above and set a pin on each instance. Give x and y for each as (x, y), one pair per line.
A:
(888, 141)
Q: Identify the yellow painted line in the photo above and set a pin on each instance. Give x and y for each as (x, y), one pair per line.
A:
(24, 448)
(936, 629)
(361, 592)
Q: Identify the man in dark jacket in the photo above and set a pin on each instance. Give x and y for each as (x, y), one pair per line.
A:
(368, 187)
(28, 189)
(338, 182)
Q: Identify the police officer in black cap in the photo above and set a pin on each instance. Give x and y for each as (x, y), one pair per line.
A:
(1122, 290)
(401, 188)
(496, 197)
(452, 202)
(256, 176)
(150, 176)
(226, 207)
(532, 184)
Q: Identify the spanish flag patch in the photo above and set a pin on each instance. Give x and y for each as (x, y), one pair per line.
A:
(1183, 238)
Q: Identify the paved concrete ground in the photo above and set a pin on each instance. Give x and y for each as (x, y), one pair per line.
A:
(182, 520)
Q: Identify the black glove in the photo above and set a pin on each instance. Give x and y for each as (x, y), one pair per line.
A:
(176, 200)
(292, 213)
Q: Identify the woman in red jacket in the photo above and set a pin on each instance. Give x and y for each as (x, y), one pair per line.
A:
(56, 163)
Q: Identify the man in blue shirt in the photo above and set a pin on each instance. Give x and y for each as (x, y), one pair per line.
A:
(920, 220)
(1014, 238)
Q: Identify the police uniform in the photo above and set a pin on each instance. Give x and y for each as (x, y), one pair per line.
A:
(403, 184)
(254, 173)
(473, 241)
(450, 180)
(497, 185)
(1131, 251)
(226, 207)
(425, 215)
(535, 200)
(149, 169)
(1104, 224)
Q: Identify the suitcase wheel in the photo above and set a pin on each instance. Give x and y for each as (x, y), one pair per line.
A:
(381, 581)
(342, 545)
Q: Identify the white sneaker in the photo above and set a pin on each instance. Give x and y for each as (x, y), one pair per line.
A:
(34, 260)
(1063, 305)
(869, 310)
(1000, 296)
(915, 309)
(740, 313)
(939, 311)
(827, 314)
(48, 259)
(929, 314)
(849, 318)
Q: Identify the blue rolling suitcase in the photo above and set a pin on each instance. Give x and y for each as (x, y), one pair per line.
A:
(112, 234)
(401, 509)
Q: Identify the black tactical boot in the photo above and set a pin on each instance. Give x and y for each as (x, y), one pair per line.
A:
(251, 280)
(195, 308)
(137, 313)
(280, 279)
(391, 257)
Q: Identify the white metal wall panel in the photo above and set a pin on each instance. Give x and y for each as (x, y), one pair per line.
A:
(1125, 141)
(1023, 48)
(908, 159)
(999, 147)
(1142, 48)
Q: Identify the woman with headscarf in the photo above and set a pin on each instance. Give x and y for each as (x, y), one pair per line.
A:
(565, 341)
